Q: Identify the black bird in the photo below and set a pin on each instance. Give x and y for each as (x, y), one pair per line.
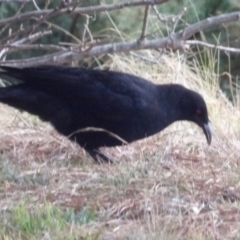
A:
(76, 100)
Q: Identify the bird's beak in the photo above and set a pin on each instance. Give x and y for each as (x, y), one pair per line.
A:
(208, 132)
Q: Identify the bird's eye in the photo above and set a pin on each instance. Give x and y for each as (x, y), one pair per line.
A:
(199, 112)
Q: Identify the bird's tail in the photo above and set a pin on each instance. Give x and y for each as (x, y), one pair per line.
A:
(12, 72)
(48, 78)
(31, 100)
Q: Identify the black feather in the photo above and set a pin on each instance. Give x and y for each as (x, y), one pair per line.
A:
(72, 99)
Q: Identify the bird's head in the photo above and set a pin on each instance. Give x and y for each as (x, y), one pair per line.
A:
(194, 108)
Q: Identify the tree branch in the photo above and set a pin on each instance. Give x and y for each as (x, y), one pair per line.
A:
(209, 23)
(83, 10)
(174, 41)
(222, 48)
(145, 23)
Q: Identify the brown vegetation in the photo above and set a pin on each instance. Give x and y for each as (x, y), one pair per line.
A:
(170, 186)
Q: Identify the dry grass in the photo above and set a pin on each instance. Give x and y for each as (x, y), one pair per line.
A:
(169, 186)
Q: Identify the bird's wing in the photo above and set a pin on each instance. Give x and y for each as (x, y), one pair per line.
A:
(106, 94)
(36, 102)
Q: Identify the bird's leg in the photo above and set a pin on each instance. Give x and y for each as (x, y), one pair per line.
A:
(98, 156)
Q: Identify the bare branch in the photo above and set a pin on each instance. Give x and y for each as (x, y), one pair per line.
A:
(86, 30)
(145, 22)
(16, 47)
(83, 10)
(32, 37)
(223, 48)
(35, 5)
(161, 18)
(177, 18)
(12, 36)
(174, 41)
(209, 23)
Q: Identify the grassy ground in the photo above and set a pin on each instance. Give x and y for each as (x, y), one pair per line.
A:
(170, 186)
